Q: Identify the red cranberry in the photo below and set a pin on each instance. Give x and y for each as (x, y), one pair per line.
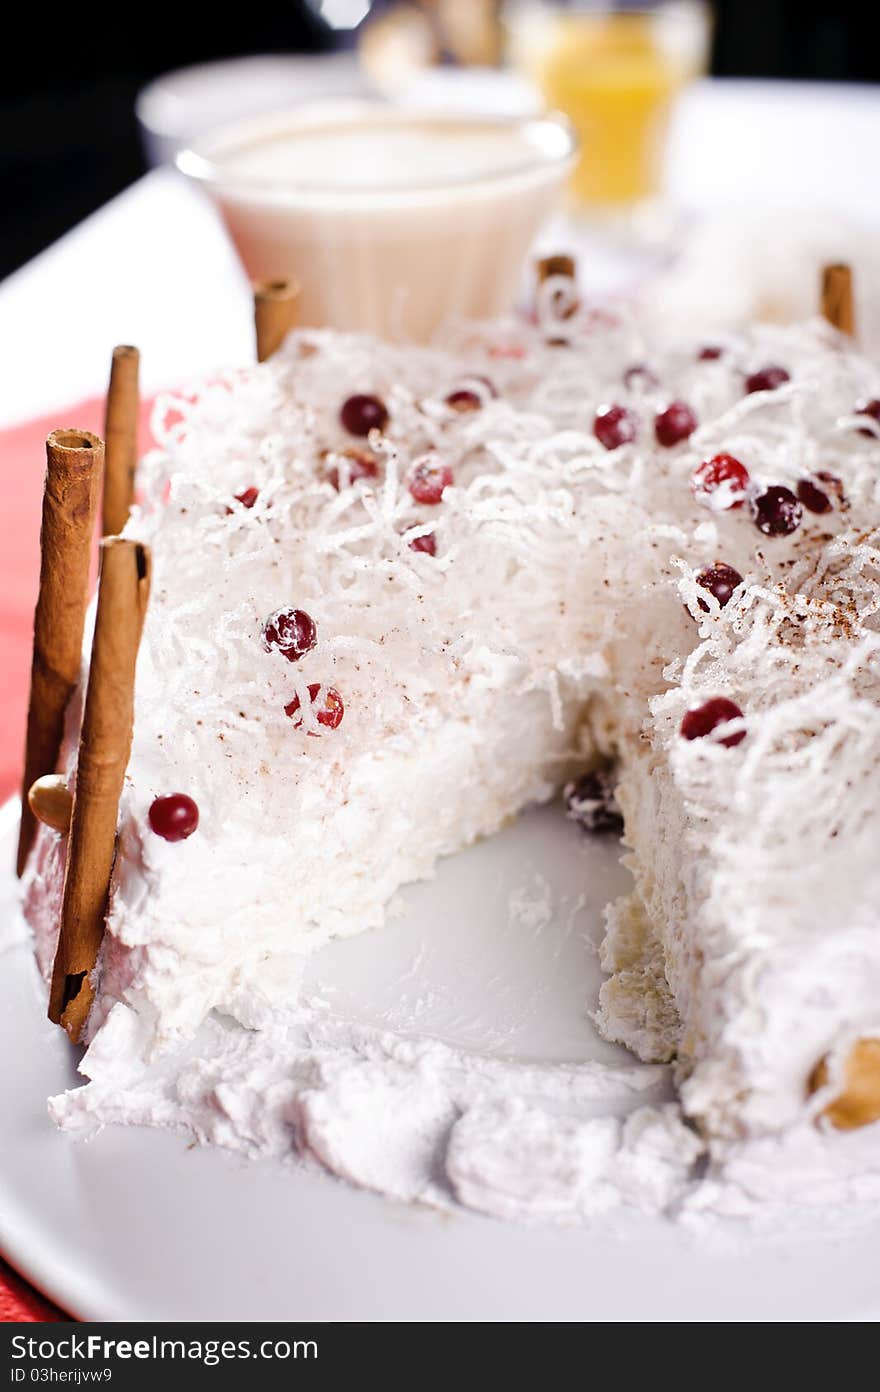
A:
(328, 711)
(776, 511)
(426, 543)
(721, 581)
(173, 817)
(615, 426)
(674, 424)
(292, 631)
(720, 482)
(711, 352)
(362, 413)
(640, 377)
(813, 498)
(429, 479)
(464, 400)
(872, 409)
(702, 720)
(245, 499)
(767, 378)
(360, 466)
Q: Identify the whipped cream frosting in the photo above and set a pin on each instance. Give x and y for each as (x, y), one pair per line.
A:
(736, 265)
(559, 622)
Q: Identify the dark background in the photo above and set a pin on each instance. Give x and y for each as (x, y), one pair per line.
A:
(68, 140)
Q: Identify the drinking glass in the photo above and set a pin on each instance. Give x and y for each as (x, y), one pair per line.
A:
(616, 71)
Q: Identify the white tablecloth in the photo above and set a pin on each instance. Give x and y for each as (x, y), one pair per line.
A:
(153, 267)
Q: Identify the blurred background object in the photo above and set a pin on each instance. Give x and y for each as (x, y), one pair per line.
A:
(380, 49)
(399, 41)
(179, 106)
(69, 138)
(615, 69)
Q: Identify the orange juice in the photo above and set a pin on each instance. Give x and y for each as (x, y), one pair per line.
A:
(615, 75)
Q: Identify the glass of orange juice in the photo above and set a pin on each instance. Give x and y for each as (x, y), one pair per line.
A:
(615, 70)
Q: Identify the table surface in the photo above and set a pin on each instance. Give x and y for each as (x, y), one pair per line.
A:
(154, 267)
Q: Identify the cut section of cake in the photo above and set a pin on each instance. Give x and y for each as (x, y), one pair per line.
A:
(401, 594)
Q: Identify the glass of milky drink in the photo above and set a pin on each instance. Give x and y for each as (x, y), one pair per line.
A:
(390, 221)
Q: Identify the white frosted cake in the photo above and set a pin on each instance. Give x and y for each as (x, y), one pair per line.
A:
(364, 652)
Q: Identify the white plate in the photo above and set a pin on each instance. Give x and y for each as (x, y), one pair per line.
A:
(138, 1225)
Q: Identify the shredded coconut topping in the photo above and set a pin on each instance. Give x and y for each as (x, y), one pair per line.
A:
(559, 619)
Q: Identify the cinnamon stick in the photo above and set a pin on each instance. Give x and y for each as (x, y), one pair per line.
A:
(274, 314)
(837, 297)
(74, 463)
(104, 748)
(120, 435)
(563, 304)
(559, 265)
(858, 1104)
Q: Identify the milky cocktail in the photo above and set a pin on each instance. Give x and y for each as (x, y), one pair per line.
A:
(390, 221)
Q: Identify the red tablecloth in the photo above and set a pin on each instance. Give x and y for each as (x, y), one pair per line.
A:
(22, 464)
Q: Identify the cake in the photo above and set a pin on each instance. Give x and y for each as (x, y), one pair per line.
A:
(400, 594)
